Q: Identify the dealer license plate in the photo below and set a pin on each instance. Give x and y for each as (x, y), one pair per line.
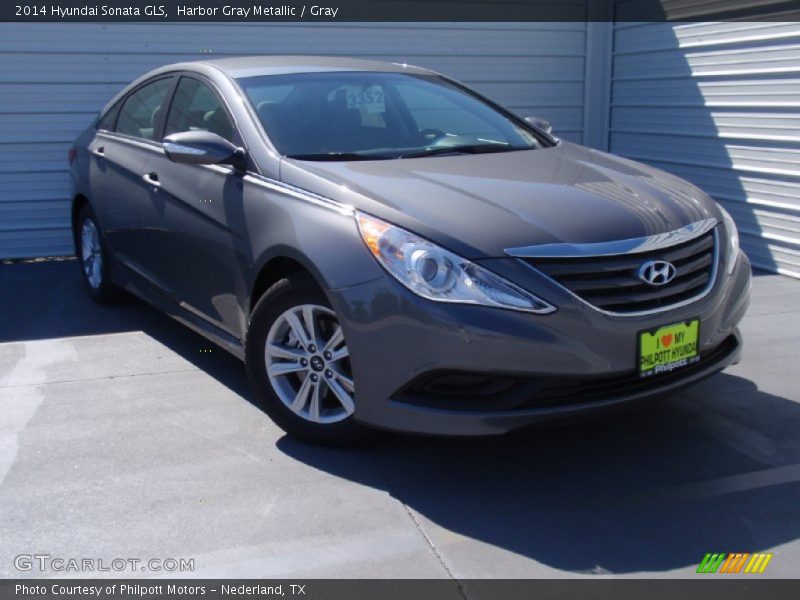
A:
(668, 348)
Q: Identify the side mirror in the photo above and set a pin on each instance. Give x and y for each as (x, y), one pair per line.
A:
(202, 148)
(540, 123)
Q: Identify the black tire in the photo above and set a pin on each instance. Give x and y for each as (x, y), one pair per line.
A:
(102, 290)
(292, 291)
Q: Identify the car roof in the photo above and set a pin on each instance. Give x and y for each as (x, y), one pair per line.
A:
(250, 66)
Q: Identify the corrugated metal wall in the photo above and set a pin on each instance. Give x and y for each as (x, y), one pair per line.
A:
(55, 77)
(718, 104)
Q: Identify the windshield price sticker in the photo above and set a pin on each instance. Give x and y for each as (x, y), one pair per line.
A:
(369, 97)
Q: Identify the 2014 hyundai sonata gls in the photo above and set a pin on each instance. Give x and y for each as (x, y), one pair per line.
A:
(387, 248)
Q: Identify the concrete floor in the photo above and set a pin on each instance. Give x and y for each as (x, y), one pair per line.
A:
(122, 436)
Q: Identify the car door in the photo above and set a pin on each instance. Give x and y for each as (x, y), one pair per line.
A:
(195, 227)
(125, 139)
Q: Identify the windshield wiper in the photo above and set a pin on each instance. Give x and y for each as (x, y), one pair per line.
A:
(465, 149)
(333, 156)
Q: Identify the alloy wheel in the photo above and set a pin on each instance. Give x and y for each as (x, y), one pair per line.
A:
(308, 364)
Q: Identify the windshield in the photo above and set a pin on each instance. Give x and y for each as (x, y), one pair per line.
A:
(373, 116)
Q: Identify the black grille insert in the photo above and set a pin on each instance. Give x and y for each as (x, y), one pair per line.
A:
(458, 391)
(566, 391)
(612, 282)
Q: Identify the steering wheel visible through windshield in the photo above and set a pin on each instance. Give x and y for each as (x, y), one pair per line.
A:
(374, 115)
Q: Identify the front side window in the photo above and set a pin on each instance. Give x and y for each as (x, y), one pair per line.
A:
(195, 107)
(139, 114)
(372, 115)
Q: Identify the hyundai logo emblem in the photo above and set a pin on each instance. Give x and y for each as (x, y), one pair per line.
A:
(657, 272)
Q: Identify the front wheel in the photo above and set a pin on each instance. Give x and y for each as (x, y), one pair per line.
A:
(299, 365)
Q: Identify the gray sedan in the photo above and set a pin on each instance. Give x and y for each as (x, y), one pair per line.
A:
(386, 248)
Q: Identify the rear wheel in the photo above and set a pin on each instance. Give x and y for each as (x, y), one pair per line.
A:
(299, 366)
(94, 258)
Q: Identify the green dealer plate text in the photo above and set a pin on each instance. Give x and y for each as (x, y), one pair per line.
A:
(668, 348)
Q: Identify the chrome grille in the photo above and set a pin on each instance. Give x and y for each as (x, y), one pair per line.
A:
(611, 283)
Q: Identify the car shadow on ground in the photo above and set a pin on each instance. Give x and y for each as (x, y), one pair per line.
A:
(649, 490)
(714, 469)
(46, 300)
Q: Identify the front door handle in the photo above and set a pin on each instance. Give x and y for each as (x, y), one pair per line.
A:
(152, 178)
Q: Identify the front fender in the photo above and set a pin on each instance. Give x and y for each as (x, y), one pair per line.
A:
(319, 234)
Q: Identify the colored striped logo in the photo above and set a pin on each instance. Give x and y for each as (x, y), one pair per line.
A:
(736, 562)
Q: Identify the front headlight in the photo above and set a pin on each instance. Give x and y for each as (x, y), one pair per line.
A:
(437, 274)
(733, 239)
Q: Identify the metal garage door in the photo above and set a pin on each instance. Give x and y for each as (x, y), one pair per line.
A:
(55, 77)
(718, 104)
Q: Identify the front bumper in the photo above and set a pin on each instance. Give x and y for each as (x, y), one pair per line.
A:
(552, 365)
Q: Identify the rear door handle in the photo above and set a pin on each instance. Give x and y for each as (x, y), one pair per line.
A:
(99, 151)
(152, 178)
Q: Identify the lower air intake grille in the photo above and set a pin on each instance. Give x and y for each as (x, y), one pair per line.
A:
(612, 282)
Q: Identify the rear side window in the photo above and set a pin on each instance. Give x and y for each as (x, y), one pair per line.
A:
(106, 122)
(140, 111)
(195, 107)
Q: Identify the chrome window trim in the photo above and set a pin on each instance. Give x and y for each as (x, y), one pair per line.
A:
(151, 145)
(639, 313)
(177, 75)
(612, 248)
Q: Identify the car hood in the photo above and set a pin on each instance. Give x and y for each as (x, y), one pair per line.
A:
(480, 205)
